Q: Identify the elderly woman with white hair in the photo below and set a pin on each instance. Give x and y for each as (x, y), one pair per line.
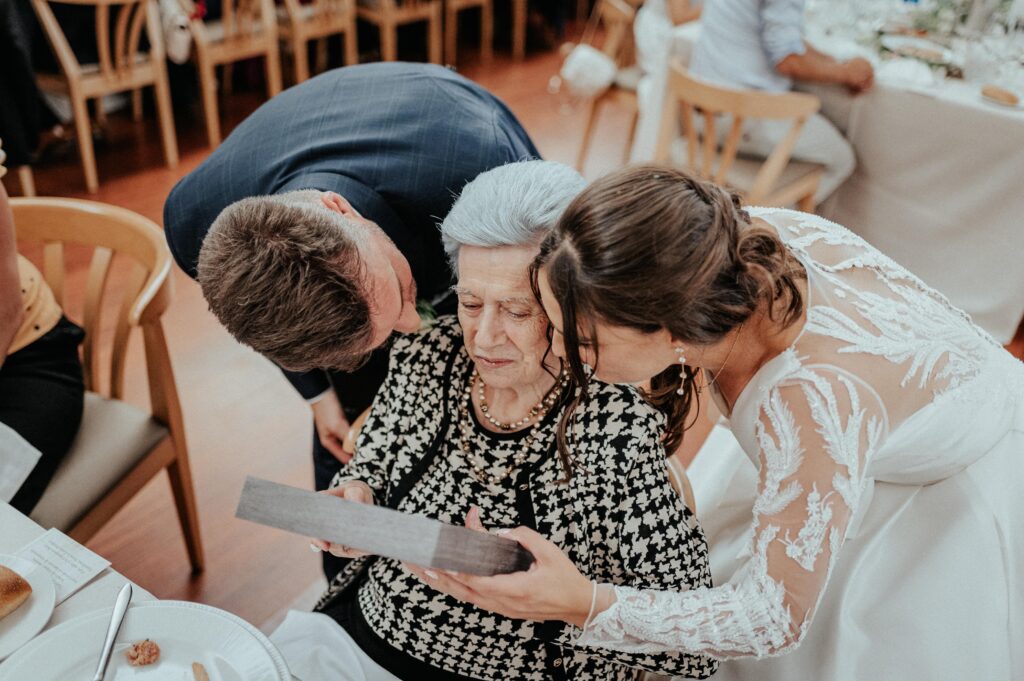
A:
(465, 430)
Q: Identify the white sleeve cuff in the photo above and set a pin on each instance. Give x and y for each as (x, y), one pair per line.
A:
(316, 398)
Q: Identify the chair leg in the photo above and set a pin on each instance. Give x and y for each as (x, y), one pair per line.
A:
(518, 29)
(83, 128)
(582, 10)
(487, 31)
(180, 475)
(322, 58)
(27, 180)
(101, 113)
(634, 120)
(208, 86)
(137, 104)
(351, 43)
(588, 131)
(300, 55)
(228, 84)
(388, 41)
(273, 66)
(162, 94)
(451, 32)
(435, 41)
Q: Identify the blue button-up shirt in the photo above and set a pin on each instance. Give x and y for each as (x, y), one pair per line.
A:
(741, 41)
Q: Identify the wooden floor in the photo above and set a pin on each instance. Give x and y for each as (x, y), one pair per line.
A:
(241, 416)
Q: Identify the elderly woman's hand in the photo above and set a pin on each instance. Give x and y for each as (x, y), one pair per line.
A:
(552, 589)
(358, 492)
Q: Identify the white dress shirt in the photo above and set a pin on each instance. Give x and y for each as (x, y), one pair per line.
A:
(741, 42)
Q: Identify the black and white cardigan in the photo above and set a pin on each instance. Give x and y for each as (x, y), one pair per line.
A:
(618, 519)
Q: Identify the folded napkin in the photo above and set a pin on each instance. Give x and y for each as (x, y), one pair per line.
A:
(17, 459)
(587, 71)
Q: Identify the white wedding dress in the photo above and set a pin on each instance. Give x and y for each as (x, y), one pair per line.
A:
(879, 533)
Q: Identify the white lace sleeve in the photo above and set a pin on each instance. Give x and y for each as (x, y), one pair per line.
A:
(816, 431)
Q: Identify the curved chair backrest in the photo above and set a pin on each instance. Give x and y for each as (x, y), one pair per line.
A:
(110, 231)
(117, 56)
(689, 94)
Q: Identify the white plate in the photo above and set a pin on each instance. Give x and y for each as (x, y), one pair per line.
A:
(20, 626)
(229, 648)
(917, 48)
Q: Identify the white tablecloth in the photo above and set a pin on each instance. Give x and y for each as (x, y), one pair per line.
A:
(939, 186)
(18, 531)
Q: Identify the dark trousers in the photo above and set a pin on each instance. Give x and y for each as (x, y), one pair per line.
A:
(41, 396)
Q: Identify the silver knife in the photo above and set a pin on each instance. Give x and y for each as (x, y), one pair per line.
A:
(381, 531)
(124, 597)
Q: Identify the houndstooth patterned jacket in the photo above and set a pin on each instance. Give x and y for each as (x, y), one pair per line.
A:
(617, 518)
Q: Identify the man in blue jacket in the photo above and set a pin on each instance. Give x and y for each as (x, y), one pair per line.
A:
(328, 198)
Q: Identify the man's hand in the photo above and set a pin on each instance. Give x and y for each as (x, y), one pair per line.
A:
(860, 75)
(331, 425)
(814, 66)
(358, 492)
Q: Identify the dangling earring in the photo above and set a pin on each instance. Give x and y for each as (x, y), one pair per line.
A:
(682, 371)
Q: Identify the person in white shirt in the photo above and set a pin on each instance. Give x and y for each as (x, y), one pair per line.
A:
(759, 45)
(658, 23)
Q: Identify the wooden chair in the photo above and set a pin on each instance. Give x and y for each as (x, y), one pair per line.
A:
(317, 20)
(246, 29)
(121, 68)
(774, 181)
(451, 28)
(617, 17)
(388, 15)
(119, 447)
(519, 19)
(27, 180)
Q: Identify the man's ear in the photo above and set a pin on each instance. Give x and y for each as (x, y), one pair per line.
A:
(338, 204)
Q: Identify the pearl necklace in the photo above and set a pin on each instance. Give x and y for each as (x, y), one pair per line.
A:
(537, 409)
(466, 428)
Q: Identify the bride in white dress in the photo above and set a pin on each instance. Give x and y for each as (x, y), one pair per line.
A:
(879, 533)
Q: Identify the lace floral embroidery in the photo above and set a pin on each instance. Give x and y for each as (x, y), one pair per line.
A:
(807, 545)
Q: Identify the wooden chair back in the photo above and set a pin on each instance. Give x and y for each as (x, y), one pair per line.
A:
(319, 11)
(241, 17)
(147, 290)
(690, 97)
(617, 17)
(118, 52)
(401, 6)
(241, 22)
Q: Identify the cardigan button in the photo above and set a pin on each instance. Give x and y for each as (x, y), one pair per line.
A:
(558, 662)
(524, 487)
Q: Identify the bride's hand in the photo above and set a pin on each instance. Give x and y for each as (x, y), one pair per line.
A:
(552, 589)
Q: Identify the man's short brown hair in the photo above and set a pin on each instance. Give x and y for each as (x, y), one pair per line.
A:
(286, 278)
